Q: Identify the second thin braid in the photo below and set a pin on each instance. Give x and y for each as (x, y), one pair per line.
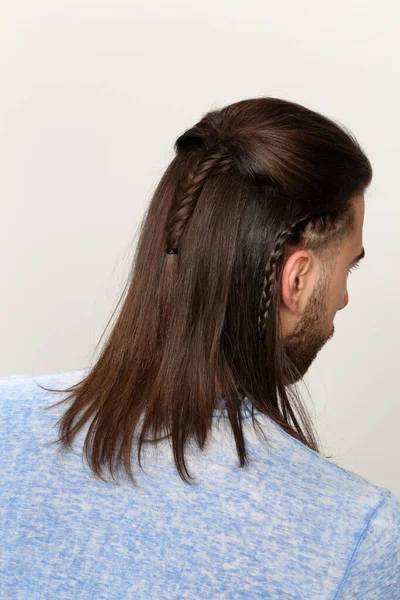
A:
(270, 273)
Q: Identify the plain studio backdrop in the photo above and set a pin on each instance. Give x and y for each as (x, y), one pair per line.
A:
(93, 96)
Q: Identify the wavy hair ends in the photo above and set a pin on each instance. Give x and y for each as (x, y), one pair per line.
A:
(247, 182)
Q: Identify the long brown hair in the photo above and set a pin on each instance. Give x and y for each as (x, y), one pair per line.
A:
(247, 182)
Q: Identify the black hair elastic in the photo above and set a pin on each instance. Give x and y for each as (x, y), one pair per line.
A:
(172, 251)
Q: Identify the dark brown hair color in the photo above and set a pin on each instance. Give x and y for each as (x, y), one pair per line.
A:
(247, 182)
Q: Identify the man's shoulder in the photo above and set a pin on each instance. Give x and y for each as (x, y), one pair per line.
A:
(321, 480)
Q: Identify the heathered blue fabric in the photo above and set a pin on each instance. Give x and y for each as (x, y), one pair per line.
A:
(291, 525)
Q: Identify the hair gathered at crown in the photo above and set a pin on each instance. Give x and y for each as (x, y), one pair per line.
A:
(211, 152)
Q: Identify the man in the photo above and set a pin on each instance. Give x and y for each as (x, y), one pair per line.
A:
(255, 224)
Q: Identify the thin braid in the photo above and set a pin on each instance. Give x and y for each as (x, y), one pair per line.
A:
(270, 273)
(216, 160)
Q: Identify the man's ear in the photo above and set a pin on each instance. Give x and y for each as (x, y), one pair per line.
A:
(297, 281)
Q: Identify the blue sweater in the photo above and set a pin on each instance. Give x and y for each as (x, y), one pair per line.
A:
(291, 525)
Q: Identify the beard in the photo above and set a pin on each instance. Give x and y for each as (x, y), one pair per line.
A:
(310, 334)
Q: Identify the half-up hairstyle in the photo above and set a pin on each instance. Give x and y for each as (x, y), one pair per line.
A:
(248, 184)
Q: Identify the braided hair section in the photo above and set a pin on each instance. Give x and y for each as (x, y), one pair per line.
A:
(270, 271)
(216, 160)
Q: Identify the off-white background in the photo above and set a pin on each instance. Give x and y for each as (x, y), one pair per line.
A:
(94, 95)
